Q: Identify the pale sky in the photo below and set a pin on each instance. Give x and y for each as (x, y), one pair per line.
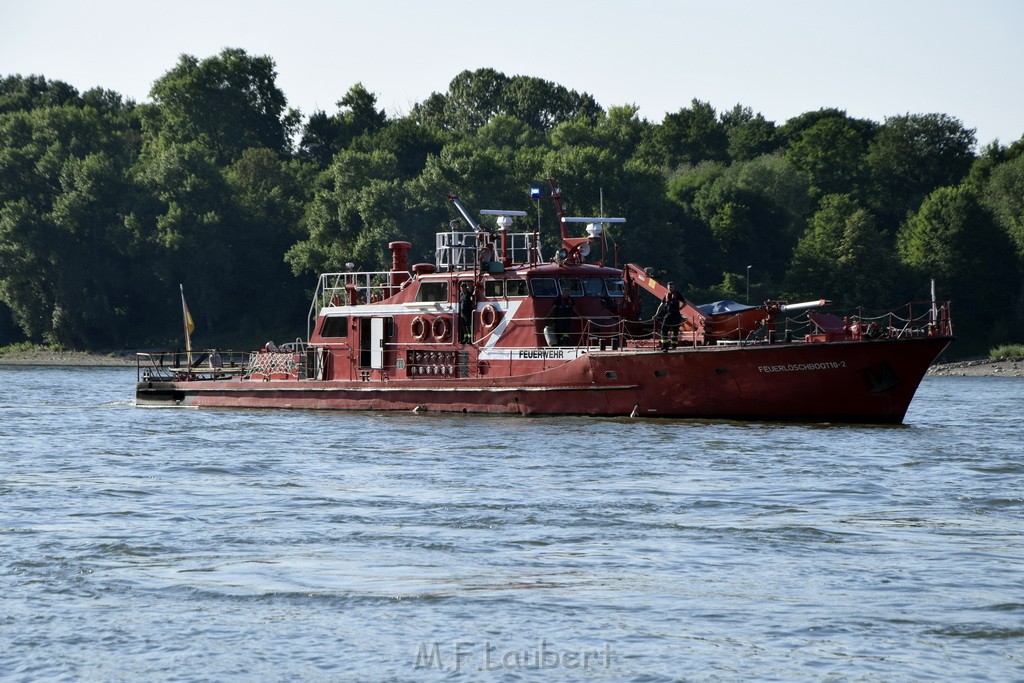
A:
(871, 58)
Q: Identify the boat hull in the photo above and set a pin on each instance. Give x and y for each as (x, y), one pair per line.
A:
(856, 381)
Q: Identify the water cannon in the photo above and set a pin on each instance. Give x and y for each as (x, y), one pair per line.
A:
(580, 246)
(804, 306)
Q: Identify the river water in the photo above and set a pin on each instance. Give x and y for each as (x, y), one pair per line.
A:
(189, 545)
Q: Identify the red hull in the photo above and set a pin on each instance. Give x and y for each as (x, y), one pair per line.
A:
(856, 381)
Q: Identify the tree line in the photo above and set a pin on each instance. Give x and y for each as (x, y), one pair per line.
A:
(106, 205)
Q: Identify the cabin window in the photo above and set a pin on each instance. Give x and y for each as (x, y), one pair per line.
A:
(515, 288)
(572, 285)
(544, 286)
(593, 286)
(493, 289)
(615, 287)
(433, 291)
(335, 327)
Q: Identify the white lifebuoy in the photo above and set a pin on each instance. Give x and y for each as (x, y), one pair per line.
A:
(418, 328)
(440, 328)
(489, 316)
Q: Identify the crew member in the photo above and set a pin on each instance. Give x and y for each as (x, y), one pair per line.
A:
(670, 312)
(467, 304)
(562, 314)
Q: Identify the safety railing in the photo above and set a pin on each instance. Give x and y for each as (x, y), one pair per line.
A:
(176, 366)
(459, 251)
(354, 288)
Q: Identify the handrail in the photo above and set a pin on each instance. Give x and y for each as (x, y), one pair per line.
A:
(463, 251)
(351, 287)
(212, 364)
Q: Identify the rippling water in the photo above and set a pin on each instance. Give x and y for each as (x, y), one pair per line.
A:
(231, 545)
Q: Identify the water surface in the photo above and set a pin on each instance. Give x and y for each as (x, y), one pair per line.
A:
(164, 544)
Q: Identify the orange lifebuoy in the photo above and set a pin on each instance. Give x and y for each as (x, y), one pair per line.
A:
(418, 328)
(440, 328)
(489, 316)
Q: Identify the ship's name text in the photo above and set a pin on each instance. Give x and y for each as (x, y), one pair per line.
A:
(542, 353)
(801, 367)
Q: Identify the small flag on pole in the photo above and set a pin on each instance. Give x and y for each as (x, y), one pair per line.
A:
(189, 325)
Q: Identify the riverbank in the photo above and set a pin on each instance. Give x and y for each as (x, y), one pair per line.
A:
(42, 356)
(1007, 367)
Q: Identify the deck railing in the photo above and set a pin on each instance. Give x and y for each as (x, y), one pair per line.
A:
(350, 288)
(286, 361)
(166, 366)
(460, 251)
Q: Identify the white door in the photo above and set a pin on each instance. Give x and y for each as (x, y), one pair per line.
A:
(377, 343)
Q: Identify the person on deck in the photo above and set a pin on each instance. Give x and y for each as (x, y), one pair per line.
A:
(467, 304)
(670, 312)
(562, 314)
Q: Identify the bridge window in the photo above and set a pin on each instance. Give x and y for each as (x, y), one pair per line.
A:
(592, 286)
(335, 327)
(615, 287)
(433, 291)
(515, 288)
(493, 289)
(544, 286)
(572, 285)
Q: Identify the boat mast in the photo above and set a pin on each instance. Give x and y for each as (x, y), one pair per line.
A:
(454, 199)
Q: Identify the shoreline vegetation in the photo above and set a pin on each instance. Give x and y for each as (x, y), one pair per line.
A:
(38, 355)
(113, 212)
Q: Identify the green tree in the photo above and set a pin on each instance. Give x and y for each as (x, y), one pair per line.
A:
(226, 103)
(911, 156)
(25, 256)
(25, 93)
(750, 135)
(349, 215)
(268, 200)
(411, 145)
(1004, 195)
(474, 97)
(755, 211)
(62, 200)
(542, 105)
(324, 136)
(843, 256)
(955, 240)
(187, 213)
(320, 136)
(689, 136)
(620, 130)
(832, 153)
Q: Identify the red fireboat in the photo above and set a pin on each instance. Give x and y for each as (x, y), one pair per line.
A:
(494, 327)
